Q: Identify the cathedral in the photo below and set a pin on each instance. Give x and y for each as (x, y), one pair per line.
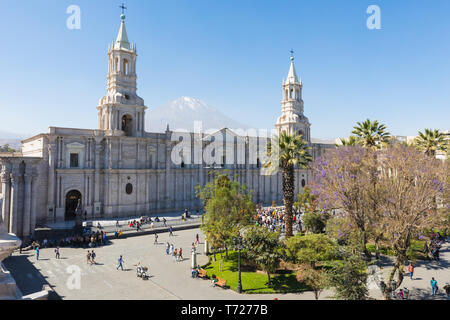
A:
(121, 170)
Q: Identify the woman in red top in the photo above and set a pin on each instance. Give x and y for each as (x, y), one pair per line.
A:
(410, 270)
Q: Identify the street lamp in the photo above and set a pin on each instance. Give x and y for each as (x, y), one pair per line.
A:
(239, 244)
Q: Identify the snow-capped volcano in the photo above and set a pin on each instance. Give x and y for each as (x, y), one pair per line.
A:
(181, 113)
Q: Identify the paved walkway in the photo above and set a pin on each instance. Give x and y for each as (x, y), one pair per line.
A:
(420, 287)
(169, 279)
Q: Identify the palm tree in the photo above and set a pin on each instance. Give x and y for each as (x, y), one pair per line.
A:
(431, 141)
(371, 134)
(288, 151)
(351, 141)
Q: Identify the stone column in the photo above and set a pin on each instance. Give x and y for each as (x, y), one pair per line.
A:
(51, 179)
(61, 161)
(34, 188)
(14, 212)
(168, 172)
(26, 229)
(6, 190)
(97, 204)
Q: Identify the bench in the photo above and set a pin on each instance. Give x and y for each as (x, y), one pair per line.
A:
(202, 273)
(221, 282)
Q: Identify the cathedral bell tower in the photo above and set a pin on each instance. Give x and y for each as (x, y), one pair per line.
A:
(292, 119)
(121, 111)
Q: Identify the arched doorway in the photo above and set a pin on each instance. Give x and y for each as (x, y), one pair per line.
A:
(72, 198)
(127, 125)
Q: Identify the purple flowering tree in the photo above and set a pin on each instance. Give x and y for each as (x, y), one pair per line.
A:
(343, 179)
(414, 185)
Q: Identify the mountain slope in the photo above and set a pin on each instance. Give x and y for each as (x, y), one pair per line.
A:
(181, 114)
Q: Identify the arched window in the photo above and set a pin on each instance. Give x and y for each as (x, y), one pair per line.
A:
(127, 125)
(125, 66)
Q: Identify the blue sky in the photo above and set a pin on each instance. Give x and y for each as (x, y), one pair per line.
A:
(233, 55)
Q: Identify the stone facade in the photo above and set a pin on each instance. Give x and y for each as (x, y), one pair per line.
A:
(120, 170)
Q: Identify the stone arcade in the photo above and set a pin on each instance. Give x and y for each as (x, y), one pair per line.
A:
(121, 170)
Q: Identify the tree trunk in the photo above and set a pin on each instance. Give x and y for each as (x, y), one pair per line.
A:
(377, 247)
(364, 243)
(316, 294)
(226, 252)
(288, 196)
(268, 278)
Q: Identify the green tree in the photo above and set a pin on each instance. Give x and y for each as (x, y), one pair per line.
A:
(264, 248)
(315, 279)
(310, 249)
(315, 221)
(7, 148)
(349, 278)
(431, 141)
(305, 200)
(288, 151)
(371, 133)
(228, 208)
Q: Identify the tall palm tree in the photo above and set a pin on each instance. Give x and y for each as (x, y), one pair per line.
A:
(288, 151)
(371, 134)
(431, 141)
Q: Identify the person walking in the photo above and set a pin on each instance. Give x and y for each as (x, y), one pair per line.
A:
(57, 252)
(170, 231)
(434, 287)
(156, 239)
(93, 255)
(164, 222)
(175, 256)
(196, 239)
(400, 293)
(171, 249)
(447, 290)
(37, 252)
(167, 248)
(88, 257)
(411, 270)
(120, 263)
(180, 254)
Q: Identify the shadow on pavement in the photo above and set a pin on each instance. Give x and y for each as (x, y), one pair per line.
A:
(20, 267)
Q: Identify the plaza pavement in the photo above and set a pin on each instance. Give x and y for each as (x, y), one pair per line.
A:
(169, 279)
(419, 287)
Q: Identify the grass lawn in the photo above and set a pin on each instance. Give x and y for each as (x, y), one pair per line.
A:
(252, 282)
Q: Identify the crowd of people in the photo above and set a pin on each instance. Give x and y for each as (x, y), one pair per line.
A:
(273, 219)
(88, 239)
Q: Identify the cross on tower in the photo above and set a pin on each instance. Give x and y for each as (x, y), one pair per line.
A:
(292, 52)
(123, 8)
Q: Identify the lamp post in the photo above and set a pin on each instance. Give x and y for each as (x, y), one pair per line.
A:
(238, 242)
